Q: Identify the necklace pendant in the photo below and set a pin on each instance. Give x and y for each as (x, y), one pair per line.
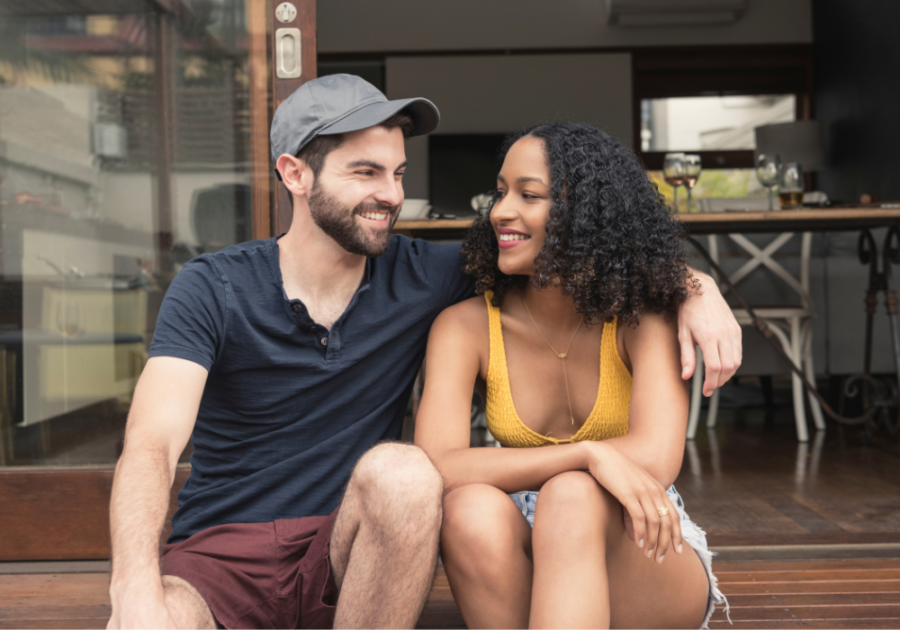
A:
(562, 356)
(572, 419)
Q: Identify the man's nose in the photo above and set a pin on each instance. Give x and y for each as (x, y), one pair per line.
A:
(390, 193)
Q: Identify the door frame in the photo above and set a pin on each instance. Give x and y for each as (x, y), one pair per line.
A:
(62, 513)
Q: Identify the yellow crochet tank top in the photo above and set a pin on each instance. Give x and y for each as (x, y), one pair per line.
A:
(608, 419)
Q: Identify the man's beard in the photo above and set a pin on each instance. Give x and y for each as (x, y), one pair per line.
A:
(340, 223)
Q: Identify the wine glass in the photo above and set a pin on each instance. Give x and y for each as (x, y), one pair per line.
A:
(673, 173)
(692, 169)
(768, 168)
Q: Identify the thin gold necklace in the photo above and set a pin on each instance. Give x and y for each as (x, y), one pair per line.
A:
(562, 356)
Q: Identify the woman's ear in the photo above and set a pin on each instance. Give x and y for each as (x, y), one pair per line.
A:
(296, 175)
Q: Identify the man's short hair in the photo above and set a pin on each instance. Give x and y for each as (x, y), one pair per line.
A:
(315, 152)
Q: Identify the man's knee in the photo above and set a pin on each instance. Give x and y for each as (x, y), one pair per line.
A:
(186, 606)
(398, 473)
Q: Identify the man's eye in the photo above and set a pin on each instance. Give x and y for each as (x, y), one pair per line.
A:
(366, 173)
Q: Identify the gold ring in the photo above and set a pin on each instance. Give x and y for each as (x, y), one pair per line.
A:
(662, 511)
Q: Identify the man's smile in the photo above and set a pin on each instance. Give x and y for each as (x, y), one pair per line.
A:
(375, 215)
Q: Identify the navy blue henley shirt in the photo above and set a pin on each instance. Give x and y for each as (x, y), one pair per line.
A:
(289, 406)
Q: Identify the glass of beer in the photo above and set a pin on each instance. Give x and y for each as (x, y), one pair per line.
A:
(790, 186)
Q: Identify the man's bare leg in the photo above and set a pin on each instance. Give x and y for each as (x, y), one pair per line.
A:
(385, 539)
(185, 605)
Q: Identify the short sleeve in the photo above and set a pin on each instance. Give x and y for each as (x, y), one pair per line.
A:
(442, 265)
(191, 321)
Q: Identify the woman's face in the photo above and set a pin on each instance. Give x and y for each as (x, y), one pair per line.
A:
(520, 214)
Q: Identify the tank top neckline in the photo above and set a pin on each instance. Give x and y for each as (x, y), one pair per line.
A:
(609, 328)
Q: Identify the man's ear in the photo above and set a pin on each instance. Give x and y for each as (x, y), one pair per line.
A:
(296, 175)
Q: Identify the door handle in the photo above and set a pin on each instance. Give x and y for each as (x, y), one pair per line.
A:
(287, 53)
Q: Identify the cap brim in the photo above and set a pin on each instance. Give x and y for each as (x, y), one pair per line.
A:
(423, 112)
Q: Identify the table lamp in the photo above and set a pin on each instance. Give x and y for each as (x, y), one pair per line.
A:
(799, 141)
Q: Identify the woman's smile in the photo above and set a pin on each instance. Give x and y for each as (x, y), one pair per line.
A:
(507, 238)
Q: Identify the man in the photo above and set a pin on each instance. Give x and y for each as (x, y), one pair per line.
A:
(287, 362)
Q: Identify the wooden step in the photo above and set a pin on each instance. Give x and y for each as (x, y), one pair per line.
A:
(807, 594)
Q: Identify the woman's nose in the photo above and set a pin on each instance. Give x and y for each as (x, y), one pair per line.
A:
(502, 210)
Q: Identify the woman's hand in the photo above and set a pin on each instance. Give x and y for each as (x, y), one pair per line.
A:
(641, 496)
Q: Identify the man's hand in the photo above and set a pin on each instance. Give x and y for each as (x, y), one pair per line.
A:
(145, 608)
(705, 319)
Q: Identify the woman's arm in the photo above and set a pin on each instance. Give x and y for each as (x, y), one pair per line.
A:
(659, 399)
(458, 348)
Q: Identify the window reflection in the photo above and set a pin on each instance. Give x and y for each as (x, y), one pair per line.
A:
(124, 152)
(708, 123)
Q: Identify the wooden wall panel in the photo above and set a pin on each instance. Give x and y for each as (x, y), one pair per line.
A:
(60, 513)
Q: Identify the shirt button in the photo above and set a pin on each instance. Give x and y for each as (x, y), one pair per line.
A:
(324, 341)
(297, 308)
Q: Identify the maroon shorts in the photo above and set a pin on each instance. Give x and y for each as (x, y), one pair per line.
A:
(261, 575)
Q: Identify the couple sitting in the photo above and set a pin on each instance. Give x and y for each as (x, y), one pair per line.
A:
(288, 363)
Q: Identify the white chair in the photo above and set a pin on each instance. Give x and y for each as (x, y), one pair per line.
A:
(792, 325)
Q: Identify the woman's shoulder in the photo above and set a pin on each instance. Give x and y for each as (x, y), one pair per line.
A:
(469, 314)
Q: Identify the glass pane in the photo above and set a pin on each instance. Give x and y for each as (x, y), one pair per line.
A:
(733, 183)
(124, 152)
(710, 123)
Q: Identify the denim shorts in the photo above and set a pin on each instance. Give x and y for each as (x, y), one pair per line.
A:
(694, 536)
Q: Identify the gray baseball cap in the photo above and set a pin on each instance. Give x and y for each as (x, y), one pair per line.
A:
(340, 103)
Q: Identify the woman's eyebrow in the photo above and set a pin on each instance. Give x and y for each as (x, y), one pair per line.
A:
(523, 180)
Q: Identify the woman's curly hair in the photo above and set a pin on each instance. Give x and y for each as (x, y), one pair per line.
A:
(610, 242)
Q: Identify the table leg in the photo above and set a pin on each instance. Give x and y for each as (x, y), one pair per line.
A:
(892, 257)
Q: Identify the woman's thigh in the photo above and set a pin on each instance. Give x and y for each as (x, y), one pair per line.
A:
(647, 594)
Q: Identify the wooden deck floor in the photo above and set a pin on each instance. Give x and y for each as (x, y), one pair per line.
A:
(809, 534)
(791, 594)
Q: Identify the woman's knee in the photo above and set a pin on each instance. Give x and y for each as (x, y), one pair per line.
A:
(481, 521)
(573, 501)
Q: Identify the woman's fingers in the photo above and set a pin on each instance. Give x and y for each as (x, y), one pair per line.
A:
(636, 515)
(648, 504)
(677, 537)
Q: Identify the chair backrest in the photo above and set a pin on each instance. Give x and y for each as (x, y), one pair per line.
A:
(764, 257)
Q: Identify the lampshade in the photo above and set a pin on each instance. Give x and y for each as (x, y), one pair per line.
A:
(799, 141)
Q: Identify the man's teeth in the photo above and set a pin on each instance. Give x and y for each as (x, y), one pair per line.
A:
(513, 237)
(375, 216)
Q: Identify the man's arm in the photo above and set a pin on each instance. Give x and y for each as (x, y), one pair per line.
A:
(705, 319)
(163, 413)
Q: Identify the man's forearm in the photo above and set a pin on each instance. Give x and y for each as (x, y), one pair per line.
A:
(140, 502)
(698, 280)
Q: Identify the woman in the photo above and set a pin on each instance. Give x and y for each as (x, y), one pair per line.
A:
(578, 258)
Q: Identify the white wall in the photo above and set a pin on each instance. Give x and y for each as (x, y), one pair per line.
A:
(400, 25)
(499, 94)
